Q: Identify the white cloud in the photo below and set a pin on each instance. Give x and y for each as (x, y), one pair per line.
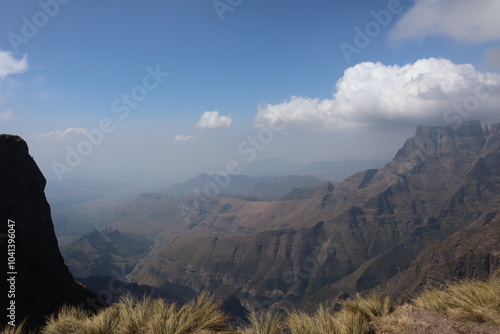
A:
(371, 94)
(59, 135)
(462, 20)
(6, 116)
(10, 65)
(183, 138)
(212, 120)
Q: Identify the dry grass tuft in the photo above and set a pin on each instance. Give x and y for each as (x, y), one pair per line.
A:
(469, 300)
(67, 320)
(355, 318)
(350, 322)
(202, 314)
(18, 329)
(265, 322)
(104, 322)
(132, 315)
(372, 306)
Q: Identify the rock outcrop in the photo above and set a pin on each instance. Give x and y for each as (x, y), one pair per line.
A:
(354, 236)
(43, 283)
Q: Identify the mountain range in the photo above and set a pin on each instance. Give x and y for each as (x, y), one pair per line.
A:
(427, 216)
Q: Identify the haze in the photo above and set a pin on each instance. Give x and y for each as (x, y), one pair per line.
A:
(164, 90)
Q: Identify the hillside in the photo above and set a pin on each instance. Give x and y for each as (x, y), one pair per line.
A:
(339, 239)
(377, 229)
(105, 252)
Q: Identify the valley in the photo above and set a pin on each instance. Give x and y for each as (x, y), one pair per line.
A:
(390, 230)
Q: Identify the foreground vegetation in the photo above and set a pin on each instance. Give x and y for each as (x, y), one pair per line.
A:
(477, 301)
(469, 300)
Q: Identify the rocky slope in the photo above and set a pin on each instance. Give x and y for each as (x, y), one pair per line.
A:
(105, 252)
(42, 280)
(334, 240)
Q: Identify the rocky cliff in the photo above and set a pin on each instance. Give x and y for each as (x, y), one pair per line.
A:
(354, 236)
(40, 281)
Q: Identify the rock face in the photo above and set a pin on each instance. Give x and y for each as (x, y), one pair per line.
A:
(355, 236)
(42, 283)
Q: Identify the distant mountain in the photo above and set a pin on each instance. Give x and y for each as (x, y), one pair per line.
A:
(39, 281)
(105, 253)
(334, 171)
(393, 229)
(244, 186)
(313, 246)
(80, 206)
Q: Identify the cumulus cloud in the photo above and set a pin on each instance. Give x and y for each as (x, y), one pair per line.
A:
(10, 65)
(59, 135)
(462, 20)
(183, 138)
(372, 94)
(212, 120)
(6, 116)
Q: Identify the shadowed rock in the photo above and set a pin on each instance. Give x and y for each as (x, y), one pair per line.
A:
(42, 283)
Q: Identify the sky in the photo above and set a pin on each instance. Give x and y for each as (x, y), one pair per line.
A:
(168, 89)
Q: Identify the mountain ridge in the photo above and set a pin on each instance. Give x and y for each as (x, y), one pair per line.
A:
(373, 217)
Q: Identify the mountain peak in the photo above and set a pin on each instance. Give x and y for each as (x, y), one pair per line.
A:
(466, 129)
(12, 145)
(464, 139)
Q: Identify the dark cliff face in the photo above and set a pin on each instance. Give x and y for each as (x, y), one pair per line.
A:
(43, 282)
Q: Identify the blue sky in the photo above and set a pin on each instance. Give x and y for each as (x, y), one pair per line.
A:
(346, 79)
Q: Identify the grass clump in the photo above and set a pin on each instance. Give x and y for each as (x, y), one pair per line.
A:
(320, 322)
(202, 314)
(68, 320)
(355, 317)
(265, 322)
(18, 329)
(371, 307)
(469, 300)
(146, 315)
